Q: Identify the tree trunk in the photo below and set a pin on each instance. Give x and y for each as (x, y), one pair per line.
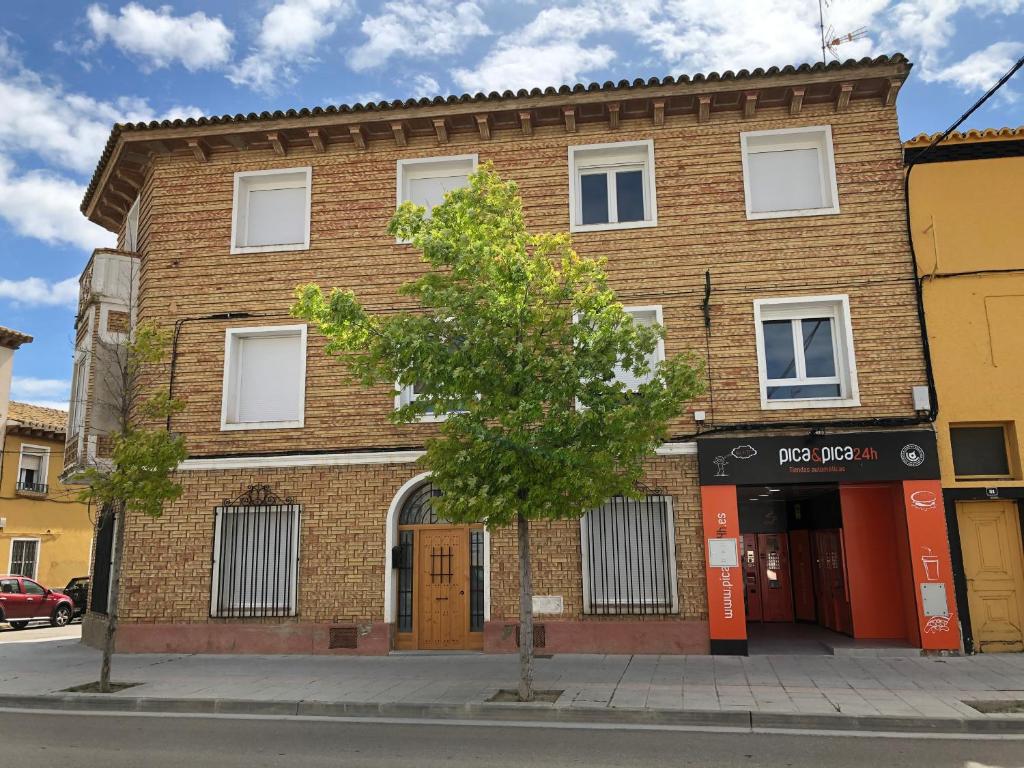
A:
(525, 611)
(115, 587)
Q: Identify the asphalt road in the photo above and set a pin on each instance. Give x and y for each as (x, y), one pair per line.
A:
(30, 739)
(39, 630)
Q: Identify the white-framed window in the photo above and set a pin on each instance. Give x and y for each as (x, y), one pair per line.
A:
(789, 172)
(264, 377)
(131, 228)
(611, 186)
(649, 315)
(407, 395)
(24, 557)
(32, 468)
(79, 394)
(425, 180)
(270, 211)
(255, 560)
(629, 565)
(805, 355)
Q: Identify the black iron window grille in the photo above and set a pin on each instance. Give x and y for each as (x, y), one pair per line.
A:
(102, 560)
(255, 556)
(405, 577)
(628, 558)
(476, 580)
(28, 486)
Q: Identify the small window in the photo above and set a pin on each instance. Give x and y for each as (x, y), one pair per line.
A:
(24, 557)
(255, 561)
(271, 211)
(409, 394)
(628, 557)
(425, 181)
(9, 587)
(32, 466)
(611, 186)
(131, 228)
(644, 316)
(264, 377)
(980, 451)
(805, 353)
(789, 173)
(31, 588)
(79, 393)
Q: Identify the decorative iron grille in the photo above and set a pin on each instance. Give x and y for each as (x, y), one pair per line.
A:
(405, 577)
(628, 561)
(419, 507)
(30, 487)
(255, 555)
(476, 580)
(102, 558)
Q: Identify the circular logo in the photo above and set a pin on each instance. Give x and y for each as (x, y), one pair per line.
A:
(912, 455)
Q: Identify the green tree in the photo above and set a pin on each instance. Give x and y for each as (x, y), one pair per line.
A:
(136, 479)
(518, 339)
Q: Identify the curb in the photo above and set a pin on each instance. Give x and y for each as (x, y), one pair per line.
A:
(739, 719)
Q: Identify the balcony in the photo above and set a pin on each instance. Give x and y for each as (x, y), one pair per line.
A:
(29, 488)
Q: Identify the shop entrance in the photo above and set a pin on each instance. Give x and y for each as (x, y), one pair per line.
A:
(827, 555)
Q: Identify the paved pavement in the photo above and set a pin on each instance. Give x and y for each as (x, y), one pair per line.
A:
(115, 741)
(790, 685)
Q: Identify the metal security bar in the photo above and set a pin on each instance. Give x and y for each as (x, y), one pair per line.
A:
(255, 558)
(628, 560)
(405, 578)
(476, 581)
(30, 487)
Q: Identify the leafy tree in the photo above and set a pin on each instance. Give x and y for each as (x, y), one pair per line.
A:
(137, 476)
(518, 339)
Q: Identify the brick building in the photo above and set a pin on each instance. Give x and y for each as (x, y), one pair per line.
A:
(744, 211)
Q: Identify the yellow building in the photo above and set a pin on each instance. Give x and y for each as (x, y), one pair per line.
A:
(967, 224)
(45, 533)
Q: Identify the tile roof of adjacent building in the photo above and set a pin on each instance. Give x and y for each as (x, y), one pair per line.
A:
(508, 95)
(969, 136)
(13, 339)
(36, 417)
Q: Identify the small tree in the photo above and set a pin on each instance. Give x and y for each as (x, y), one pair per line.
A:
(519, 339)
(136, 478)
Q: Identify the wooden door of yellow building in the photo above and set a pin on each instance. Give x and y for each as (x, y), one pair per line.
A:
(994, 566)
(443, 614)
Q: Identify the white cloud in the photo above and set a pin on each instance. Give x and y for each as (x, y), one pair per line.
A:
(982, 69)
(25, 388)
(427, 28)
(529, 66)
(60, 405)
(160, 38)
(425, 86)
(36, 291)
(288, 38)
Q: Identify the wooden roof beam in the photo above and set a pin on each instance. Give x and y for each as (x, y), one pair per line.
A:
(128, 194)
(441, 129)
(569, 115)
(237, 141)
(278, 142)
(318, 139)
(703, 108)
(889, 98)
(658, 111)
(129, 177)
(613, 115)
(159, 147)
(483, 125)
(526, 122)
(358, 136)
(399, 132)
(749, 105)
(200, 150)
(796, 100)
(843, 94)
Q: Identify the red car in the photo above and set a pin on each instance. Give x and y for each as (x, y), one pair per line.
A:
(22, 599)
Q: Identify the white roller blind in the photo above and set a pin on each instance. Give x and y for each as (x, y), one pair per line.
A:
(31, 462)
(785, 180)
(647, 317)
(276, 216)
(269, 384)
(429, 192)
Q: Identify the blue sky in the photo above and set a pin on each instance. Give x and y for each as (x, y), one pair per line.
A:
(68, 70)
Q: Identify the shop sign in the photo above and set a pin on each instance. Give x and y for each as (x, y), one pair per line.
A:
(848, 457)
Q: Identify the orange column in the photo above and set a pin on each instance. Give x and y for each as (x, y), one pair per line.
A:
(932, 565)
(726, 615)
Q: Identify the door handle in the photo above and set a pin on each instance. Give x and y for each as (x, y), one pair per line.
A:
(462, 591)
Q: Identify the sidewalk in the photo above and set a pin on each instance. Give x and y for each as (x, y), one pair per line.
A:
(778, 689)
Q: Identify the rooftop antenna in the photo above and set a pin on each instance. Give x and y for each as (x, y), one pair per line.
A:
(830, 41)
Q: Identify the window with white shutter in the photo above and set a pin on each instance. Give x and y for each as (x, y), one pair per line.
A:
(425, 181)
(644, 316)
(32, 469)
(271, 211)
(628, 557)
(264, 377)
(789, 172)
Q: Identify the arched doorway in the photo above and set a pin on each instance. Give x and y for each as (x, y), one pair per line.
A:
(439, 577)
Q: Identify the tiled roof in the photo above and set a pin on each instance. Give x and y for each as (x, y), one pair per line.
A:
(37, 417)
(12, 338)
(508, 95)
(973, 135)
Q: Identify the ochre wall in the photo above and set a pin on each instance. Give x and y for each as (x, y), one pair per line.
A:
(966, 216)
(58, 520)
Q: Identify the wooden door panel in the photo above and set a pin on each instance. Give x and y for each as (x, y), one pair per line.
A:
(751, 578)
(443, 581)
(994, 569)
(803, 587)
(777, 589)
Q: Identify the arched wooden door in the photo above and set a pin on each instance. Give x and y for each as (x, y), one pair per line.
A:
(440, 578)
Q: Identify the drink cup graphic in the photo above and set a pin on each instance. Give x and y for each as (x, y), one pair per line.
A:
(931, 567)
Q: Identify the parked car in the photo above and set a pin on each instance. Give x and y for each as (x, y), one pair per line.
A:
(23, 599)
(78, 590)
